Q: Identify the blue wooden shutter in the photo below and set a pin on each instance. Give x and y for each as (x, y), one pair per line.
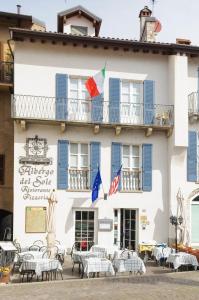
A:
(94, 160)
(62, 164)
(115, 160)
(97, 109)
(149, 95)
(192, 157)
(61, 96)
(147, 167)
(114, 100)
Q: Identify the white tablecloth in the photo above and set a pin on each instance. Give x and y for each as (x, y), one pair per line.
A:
(182, 258)
(161, 252)
(79, 256)
(35, 254)
(95, 265)
(40, 265)
(134, 264)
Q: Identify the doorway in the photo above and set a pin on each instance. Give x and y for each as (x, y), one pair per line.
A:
(128, 229)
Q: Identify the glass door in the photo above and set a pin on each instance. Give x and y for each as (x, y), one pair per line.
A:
(84, 229)
(128, 229)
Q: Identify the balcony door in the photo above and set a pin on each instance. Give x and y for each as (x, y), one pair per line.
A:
(131, 110)
(79, 104)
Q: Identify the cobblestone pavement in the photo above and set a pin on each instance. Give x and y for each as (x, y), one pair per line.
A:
(180, 285)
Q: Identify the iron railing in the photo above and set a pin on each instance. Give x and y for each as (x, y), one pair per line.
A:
(90, 111)
(131, 180)
(6, 72)
(193, 104)
(78, 179)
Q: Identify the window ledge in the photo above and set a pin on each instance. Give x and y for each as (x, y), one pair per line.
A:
(134, 191)
(76, 191)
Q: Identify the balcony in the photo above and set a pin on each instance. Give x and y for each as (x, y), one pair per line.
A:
(77, 111)
(131, 180)
(193, 104)
(78, 179)
(6, 73)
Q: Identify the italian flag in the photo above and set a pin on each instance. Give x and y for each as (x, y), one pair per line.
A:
(95, 84)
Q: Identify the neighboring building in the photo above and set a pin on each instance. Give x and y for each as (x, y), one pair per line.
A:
(7, 129)
(141, 121)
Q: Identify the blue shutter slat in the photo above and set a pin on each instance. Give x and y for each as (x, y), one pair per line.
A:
(61, 96)
(114, 100)
(115, 160)
(192, 157)
(97, 109)
(147, 167)
(62, 165)
(94, 160)
(149, 95)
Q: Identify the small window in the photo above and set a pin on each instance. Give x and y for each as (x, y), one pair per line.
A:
(2, 168)
(80, 30)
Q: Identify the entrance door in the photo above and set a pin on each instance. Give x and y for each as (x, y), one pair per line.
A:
(84, 229)
(128, 229)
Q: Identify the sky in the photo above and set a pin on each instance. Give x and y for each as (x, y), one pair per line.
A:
(179, 18)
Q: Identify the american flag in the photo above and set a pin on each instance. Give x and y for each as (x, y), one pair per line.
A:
(115, 183)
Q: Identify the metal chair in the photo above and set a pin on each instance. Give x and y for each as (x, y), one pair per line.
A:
(39, 243)
(26, 267)
(46, 254)
(43, 248)
(34, 248)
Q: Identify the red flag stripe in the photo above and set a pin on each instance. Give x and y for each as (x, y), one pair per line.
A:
(92, 87)
(114, 185)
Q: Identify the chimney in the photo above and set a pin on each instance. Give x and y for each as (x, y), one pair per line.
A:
(183, 41)
(149, 26)
(18, 9)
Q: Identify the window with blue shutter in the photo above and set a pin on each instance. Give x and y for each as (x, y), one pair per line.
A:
(114, 100)
(94, 160)
(192, 157)
(115, 160)
(97, 109)
(61, 96)
(147, 167)
(62, 164)
(149, 96)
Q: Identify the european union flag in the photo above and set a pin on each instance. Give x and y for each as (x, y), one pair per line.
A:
(96, 185)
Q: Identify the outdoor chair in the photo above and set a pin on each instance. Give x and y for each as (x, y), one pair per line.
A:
(60, 258)
(34, 248)
(38, 243)
(26, 269)
(43, 248)
(75, 247)
(46, 254)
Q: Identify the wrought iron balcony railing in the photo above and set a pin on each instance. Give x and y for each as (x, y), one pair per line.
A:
(78, 179)
(6, 72)
(131, 180)
(193, 103)
(90, 111)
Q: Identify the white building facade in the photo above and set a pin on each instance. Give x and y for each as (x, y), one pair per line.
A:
(142, 122)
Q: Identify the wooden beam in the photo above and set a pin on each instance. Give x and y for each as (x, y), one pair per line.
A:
(148, 131)
(63, 127)
(118, 130)
(96, 129)
(23, 124)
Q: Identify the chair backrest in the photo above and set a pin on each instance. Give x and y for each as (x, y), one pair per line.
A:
(27, 256)
(125, 254)
(39, 243)
(57, 242)
(74, 247)
(60, 258)
(34, 248)
(46, 254)
(43, 248)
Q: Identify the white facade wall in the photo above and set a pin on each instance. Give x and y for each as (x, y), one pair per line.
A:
(35, 68)
(79, 21)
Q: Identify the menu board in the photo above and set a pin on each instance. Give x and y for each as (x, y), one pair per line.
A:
(35, 219)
